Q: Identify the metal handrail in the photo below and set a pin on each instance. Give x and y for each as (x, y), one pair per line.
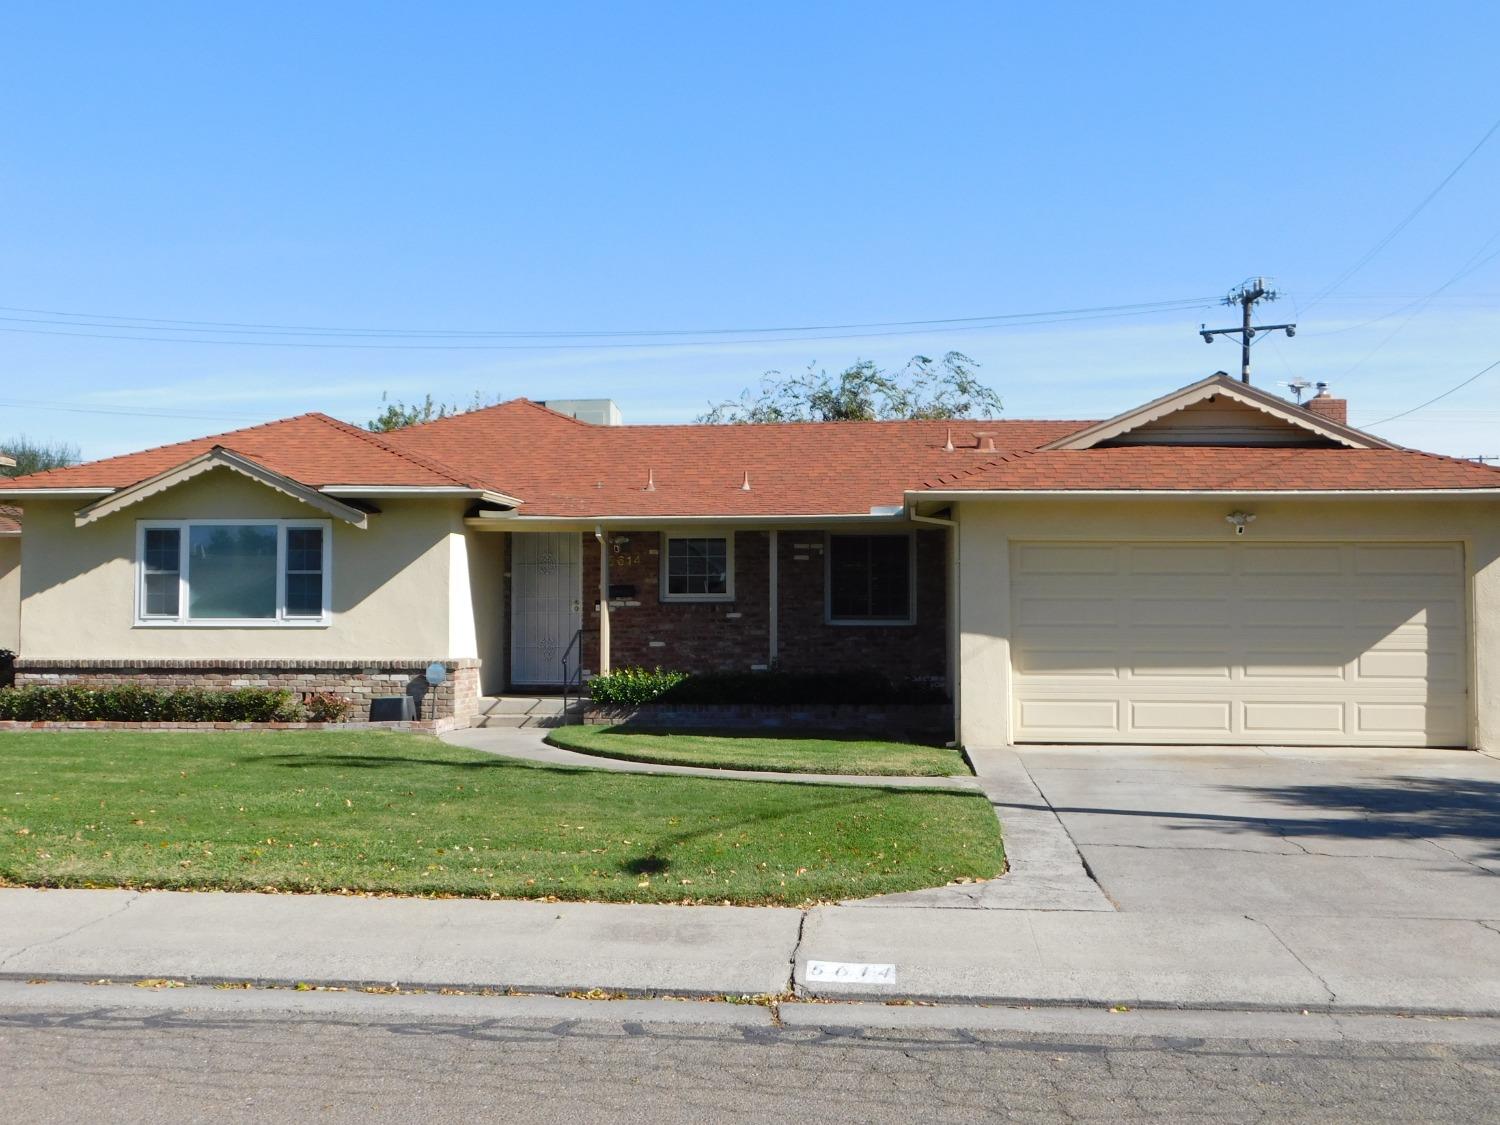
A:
(576, 642)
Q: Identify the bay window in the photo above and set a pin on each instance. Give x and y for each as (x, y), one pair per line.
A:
(233, 572)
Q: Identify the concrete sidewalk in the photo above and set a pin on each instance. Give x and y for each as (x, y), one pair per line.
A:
(987, 956)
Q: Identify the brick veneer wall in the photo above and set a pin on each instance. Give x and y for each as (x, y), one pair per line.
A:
(361, 681)
(713, 636)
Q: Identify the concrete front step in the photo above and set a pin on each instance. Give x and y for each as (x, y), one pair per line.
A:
(527, 710)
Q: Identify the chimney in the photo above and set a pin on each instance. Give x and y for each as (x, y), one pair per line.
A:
(1326, 406)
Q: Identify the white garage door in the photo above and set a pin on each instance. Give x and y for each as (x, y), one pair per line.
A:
(1309, 643)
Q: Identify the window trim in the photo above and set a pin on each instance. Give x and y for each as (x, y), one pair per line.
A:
(665, 565)
(282, 620)
(911, 579)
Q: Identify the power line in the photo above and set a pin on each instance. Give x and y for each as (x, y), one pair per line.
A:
(68, 408)
(1013, 322)
(160, 324)
(1406, 222)
(1439, 398)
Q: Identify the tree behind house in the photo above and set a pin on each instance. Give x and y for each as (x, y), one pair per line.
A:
(923, 388)
(398, 415)
(37, 456)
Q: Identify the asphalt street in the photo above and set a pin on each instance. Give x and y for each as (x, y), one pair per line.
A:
(71, 1052)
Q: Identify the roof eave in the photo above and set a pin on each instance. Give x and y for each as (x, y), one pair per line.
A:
(395, 491)
(1192, 493)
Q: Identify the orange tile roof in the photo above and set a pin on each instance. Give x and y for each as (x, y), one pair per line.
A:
(562, 467)
(1220, 468)
(10, 519)
(313, 449)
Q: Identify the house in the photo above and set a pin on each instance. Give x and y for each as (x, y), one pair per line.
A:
(1217, 566)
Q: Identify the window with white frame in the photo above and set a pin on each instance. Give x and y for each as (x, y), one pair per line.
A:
(870, 579)
(698, 568)
(233, 572)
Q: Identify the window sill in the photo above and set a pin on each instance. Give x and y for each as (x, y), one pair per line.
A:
(865, 622)
(695, 599)
(308, 624)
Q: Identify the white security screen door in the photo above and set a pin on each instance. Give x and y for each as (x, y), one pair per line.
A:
(546, 606)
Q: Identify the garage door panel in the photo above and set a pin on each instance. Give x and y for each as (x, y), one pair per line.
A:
(1308, 643)
(1068, 662)
(1176, 560)
(1418, 560)
(1100, 716)
(1279, 719)
(1289, 561)
(1299, 667)
(1053, 611)
(1208, 718)
(1195, 612)
(1040, 559)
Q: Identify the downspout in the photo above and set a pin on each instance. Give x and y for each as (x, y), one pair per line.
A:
(954, 654)
(773, 583)
(603, 600)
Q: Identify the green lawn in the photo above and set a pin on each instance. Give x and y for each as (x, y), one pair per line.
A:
(377, 811)
(831, 754)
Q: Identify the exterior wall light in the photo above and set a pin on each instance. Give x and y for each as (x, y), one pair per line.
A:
(1240, 520)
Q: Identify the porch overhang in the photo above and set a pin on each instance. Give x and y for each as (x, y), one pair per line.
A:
(504, 521)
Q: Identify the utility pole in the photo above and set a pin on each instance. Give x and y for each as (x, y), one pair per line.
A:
(1246, 295)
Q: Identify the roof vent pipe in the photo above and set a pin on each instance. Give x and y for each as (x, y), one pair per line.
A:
(985, 442)
(650, 481)
(948, 448)
(746, 486)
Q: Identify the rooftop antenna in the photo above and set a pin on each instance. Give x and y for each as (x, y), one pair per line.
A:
(1298, 386)
(1246, 294)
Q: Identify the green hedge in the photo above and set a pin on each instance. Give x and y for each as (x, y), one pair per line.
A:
(632, 687)
(148, 705)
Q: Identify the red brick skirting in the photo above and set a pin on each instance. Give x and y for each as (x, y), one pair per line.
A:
(357, 680)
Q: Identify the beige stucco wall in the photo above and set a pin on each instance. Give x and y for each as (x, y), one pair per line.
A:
(486, 605)
(988, 527)
(10, 592)
(401, 587)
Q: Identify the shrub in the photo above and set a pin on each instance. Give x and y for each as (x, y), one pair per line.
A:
(326, 707)
(631, 687)
(135, 704)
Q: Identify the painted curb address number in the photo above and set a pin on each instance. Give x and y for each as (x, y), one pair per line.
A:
(851, 972)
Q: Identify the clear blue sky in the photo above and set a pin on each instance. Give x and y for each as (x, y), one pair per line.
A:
(619, 167)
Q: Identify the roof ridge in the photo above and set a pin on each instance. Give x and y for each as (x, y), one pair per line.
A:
(518, 401)
(418, 459)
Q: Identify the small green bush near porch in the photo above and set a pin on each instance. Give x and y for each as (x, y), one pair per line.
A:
(833, 753)
(383, 812)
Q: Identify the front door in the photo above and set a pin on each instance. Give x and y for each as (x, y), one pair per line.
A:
(546, 607)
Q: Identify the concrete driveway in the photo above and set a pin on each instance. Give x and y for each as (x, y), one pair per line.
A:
(1382, 833)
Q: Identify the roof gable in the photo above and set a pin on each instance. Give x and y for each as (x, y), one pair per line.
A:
(218, 458)
(1219, 411)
